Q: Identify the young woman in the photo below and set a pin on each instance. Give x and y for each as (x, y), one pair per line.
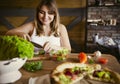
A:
(46, 29)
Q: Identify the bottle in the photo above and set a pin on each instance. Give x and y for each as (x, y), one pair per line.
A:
(100, 2)
(95, 38)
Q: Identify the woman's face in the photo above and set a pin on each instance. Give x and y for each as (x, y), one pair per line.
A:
(45, 15)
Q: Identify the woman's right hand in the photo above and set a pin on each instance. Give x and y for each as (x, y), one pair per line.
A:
(48, 47)
(24, 35)
(19, 34)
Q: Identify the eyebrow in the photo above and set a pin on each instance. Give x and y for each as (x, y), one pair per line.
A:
(50, 11)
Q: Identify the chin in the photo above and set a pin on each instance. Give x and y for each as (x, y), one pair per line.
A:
(46, 23)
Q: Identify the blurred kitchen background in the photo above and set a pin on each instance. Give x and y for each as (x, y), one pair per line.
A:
(92, 24)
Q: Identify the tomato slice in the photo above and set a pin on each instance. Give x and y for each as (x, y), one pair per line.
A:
(102, 60)
(82, 57)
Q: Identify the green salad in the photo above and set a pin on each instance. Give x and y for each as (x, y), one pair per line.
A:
(59, 55)
(33, 66)
(13, 46)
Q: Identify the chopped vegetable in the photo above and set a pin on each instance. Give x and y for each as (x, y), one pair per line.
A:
(91, 61)
(33, 66)
(59, 55)
(82, 57)
(102, 60)
(102, 74)
(13, 46)
(64, 79)
(41, 52)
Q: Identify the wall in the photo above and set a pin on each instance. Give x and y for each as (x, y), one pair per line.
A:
(104, 29)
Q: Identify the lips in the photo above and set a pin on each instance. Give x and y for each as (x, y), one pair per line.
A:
(45, 20)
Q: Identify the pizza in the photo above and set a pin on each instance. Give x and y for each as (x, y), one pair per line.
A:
(70, 73)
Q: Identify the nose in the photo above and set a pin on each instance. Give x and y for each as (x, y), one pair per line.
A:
(46, 15)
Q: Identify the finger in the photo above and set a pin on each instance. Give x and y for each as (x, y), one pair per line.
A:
(47, 46)
(49, 49)
(28, 37)
(24, 36)
(46, 43)
(46, 49)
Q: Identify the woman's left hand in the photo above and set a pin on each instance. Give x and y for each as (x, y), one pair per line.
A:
(48, 47)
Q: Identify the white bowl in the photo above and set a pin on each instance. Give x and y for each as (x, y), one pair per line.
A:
(9, 70)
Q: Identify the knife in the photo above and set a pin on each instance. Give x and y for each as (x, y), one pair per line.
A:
(36, 44)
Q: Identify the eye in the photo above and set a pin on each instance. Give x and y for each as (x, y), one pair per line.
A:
(51, 12)
(42, 12)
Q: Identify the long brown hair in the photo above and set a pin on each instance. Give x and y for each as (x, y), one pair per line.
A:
(51, 4)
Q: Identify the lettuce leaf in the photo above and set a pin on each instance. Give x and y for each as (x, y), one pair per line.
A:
(13, 46)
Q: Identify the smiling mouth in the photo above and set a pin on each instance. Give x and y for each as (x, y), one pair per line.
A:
(45, 20)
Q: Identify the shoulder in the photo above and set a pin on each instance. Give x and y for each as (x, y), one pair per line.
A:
(30, 24)
(27, 27)
(61, 28)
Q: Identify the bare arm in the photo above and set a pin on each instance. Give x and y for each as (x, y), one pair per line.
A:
(23, 31)
(64, 38)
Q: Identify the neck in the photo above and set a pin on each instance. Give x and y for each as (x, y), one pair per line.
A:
(47, 30)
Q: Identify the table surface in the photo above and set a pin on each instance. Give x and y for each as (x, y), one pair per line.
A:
(49, 65)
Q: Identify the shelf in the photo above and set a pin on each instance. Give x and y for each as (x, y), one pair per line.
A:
(110, 5)
(103, 19)
(102, 28)
(114, 6)
(104, 25)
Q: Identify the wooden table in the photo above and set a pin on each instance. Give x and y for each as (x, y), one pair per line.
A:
(49, 65)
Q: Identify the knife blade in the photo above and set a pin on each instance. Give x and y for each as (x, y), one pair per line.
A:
(36, 44)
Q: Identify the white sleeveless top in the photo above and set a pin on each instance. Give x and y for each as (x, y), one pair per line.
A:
(43, 39)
